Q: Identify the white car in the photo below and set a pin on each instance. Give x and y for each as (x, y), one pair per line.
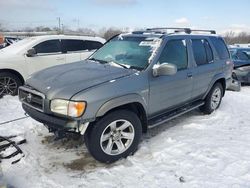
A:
(32, 54)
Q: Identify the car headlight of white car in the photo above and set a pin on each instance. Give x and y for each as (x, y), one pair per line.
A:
(68, 108)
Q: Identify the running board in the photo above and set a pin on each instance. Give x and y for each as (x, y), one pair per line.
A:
(173, 114)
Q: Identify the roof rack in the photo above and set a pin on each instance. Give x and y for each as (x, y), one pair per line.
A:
(203, 30)
(177, 29)
(163, 30)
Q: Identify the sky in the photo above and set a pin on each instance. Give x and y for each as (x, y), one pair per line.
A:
(221, 15)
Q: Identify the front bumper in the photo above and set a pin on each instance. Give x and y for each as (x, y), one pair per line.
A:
(54, 123)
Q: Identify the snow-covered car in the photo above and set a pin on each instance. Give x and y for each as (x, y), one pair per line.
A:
(241, 59)
(30, 55)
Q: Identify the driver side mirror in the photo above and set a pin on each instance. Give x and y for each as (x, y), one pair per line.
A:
(164, 69)
(31, 52)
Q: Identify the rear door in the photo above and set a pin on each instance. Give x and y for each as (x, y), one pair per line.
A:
(49, 54)
(90, 47)
(73, 49)
(205, 68)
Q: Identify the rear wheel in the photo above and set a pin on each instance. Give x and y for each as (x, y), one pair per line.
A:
(115, 136)
(213, 99)
(9, 84)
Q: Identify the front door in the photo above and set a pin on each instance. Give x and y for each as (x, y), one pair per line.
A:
(167, 92)
(48, 54)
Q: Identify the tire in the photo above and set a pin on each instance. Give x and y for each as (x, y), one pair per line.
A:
(211, 105)
(100, 135)
(9, 84)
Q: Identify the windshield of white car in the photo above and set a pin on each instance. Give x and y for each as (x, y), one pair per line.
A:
(127, 51)
(19, 45)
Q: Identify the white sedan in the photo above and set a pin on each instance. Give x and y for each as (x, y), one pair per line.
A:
(32, 54)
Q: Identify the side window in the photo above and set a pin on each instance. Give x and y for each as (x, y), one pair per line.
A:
(209, 51)
(220, 47)
(71, 45)
(92, 45)
(50, 46)
(175, 52)
(199, 52)
(242, 55)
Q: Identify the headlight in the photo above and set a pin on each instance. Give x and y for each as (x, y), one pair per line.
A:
(68, 108)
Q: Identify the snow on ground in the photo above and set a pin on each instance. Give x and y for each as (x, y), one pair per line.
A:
(194, 150)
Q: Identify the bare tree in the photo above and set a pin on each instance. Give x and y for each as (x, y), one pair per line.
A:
(109, 33)
(233, 38)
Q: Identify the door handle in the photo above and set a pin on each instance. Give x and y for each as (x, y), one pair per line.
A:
(190, 75)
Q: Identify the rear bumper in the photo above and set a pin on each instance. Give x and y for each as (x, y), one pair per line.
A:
(53, 123)
(228, 82)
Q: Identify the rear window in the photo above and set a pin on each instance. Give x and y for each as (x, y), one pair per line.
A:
(92, 45)
(199, 52)
(220, 47)
(70, 45)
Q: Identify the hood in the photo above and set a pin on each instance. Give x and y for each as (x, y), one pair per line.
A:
(64, 81)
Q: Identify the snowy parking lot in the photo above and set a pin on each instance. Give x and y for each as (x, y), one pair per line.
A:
(194, 150)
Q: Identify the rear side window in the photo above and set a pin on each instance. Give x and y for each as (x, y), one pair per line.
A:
(220, 47)
(92, 45)
(199, 52)
(175, 52)
(50, 46)
(203, 53)
(70, 45)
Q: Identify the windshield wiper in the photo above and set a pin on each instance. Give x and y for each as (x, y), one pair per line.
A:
(98, 60)
(120, 64)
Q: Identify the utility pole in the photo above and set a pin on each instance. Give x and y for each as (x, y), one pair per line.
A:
(59, 24)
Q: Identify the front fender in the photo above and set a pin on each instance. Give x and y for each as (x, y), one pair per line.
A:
(119, 101)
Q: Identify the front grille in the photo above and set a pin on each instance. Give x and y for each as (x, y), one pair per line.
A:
(32, 98)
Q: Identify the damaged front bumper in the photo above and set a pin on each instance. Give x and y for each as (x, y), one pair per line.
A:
(56, 124)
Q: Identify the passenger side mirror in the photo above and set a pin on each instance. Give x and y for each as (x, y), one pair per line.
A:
(31, 52)
(164, 69)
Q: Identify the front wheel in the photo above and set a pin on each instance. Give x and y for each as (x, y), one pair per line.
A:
(213, 99)
(9, 84)
(114, 136)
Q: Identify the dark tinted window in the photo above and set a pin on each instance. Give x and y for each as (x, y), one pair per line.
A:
(209, 51)
(220, 47)
(199, 52)
(71, 45)
(175, 52)
(50, 46)
(243, 54)
(92, 45)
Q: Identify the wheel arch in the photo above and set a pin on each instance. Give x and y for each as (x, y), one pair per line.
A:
(131, 102)
(13, 72)
(220, 78)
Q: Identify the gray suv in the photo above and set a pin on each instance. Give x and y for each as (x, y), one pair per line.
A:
(136, 81)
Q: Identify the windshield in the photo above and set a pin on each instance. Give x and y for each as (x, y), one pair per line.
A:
(128, 51)
(19, 45)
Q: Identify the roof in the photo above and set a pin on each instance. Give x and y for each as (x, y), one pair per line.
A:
(69, 37)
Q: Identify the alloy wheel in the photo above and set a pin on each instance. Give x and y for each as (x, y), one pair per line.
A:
(117, 137)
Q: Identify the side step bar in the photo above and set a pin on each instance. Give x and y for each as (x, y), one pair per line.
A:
(173, 114)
